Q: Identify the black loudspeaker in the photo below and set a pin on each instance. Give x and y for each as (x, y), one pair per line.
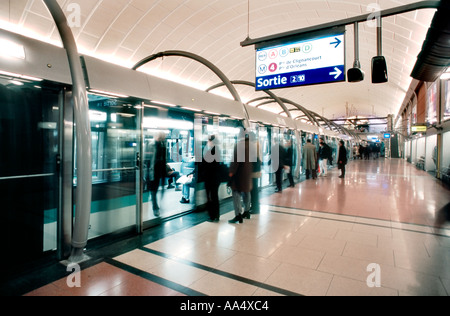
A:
(379, 70)
(355, 75)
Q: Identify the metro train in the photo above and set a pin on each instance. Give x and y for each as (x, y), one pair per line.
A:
(38, 180)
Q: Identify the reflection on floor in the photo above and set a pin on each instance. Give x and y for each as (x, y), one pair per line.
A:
(369, 234)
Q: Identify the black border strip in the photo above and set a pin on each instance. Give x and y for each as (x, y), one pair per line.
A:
(153, 278)
(353, 222)
(222, 273)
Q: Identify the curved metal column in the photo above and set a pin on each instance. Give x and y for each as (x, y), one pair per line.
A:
(301, 108)
(251, 84)
(83, 134)
(203, 61)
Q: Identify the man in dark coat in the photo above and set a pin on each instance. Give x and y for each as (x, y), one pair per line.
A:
(241, 178)
(310, 159)
(211, 175)
(281, 166)
(289, 162)
(158, 170)
(342, 158)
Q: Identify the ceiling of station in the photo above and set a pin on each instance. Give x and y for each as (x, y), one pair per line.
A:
(125, 31)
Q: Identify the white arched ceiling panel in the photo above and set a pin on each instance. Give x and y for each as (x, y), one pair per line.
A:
(125, 31)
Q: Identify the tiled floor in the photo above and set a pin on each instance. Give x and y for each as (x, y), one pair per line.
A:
(321, 238)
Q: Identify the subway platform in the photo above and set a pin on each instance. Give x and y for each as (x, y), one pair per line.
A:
(372, 234)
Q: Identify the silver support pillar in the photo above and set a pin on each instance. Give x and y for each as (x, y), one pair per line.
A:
(357, 63)
(380, 36)
(83, 134)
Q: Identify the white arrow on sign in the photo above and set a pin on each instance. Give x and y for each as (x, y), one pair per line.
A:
(336, 73)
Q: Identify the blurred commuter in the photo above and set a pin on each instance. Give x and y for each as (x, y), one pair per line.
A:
(361, 151)
(157, 170)
(241, 179)
(256, 175)
(189, 169)
(324, 156)
(443, 216)
(173, 176)
(366, 151)
(289, 163)
(342, 158)
(211, 175)
(281, 166)
(189, 182)
(310, 160)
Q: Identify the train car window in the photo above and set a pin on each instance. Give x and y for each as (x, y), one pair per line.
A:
(175, 129)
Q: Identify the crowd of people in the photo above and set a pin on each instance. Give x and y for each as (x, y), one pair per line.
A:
(243, 174)
(315, 162)
(366, 151)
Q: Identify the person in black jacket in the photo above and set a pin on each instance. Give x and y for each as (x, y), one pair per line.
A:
(325, 155)
(158, 170)
(342, 158)
(211, 173)
(289, 162)
(281, 166)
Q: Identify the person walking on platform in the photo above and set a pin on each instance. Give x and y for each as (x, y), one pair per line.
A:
(324, 156)
(443, 216)
(310, 159)
(342, 158)
(157, 170)
(281, 165)
(241, 178)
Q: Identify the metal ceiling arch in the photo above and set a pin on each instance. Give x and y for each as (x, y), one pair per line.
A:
(322, 119)
(204, 61)
(303, 109)
(251, 84)
(195, 57)
(125, 31)
(342, 129)
(260, 99)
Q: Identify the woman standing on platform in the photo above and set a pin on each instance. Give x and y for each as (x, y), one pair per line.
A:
(342, 158)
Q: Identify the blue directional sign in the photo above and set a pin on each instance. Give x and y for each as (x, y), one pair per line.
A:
(307, 62)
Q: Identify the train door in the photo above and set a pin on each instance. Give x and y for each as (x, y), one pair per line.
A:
(168, 188)
(115, 147)
(29, 186)
(226, 132)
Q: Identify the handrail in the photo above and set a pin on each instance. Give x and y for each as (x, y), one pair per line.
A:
(27, 176)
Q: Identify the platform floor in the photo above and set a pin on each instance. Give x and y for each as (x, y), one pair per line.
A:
(328, 236)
